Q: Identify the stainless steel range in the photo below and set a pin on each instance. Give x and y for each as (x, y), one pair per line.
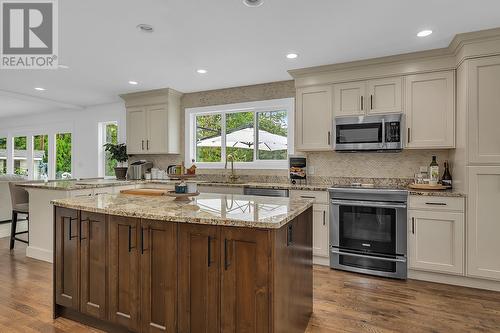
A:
(368, 230)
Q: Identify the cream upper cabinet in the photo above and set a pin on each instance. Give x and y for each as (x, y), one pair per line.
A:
(136, 130)
(484, 110)
(436, 241)
(320, 230)
(349, 98)
(153, 122)
(313, 118)
(483, 222)
(384, 95)
(430, 110)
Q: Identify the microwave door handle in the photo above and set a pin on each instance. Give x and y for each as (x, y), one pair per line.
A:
(376, 204)
(383, 132)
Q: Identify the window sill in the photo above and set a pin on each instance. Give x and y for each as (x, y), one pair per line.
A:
(278, 165)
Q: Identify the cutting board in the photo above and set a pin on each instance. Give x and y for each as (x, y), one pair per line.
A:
(428, 187)
(145, 191)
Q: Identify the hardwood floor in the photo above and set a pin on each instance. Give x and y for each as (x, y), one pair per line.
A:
(343, 302)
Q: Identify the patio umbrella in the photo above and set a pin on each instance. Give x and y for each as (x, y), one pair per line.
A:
(244, 138)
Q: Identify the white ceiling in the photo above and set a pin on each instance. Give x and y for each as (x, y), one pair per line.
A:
(236, 44)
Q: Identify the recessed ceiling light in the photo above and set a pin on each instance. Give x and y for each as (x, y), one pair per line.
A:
(63, 66)
(201, 71)
(134, 83)
(39, 88)
(253, 3)
(145, 27)
(292, 55)
(424, 33)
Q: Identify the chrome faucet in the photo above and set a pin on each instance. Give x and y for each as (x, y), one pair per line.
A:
(232, 177)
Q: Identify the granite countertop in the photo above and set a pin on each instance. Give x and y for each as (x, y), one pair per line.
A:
(207, 208)
(72, 185)
(445, 193)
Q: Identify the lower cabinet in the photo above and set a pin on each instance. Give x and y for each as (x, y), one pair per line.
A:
(436, 241)
(320, 230)
(137, 275)
(245, 301)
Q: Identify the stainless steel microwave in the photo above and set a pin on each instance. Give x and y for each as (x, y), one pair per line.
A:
(369, 133)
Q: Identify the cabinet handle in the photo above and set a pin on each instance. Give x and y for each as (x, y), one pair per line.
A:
(409, 135)
(142, 144)
(413, 225)
(361, 102)
(227, 263)
(436, 203)
(307, 197)
(129, 238)
(209, 251)
(329, 135)
(70, 236)
(324, 217)
(371, 102)
(289, 235)
(142, 240)
(81, 224)
(147, 144)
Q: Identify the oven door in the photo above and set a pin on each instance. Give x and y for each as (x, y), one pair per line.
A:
(359, 136)
(369, 227)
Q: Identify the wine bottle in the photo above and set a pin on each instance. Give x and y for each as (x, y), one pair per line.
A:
(447, 181)
(433, 171)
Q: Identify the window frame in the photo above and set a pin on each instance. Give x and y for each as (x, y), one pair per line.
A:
(101, 141)
(283, 104)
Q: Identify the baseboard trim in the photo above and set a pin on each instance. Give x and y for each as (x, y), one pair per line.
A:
(321, 261)
(455, 280)
(40, 254)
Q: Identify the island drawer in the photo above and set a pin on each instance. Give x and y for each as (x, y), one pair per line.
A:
(316, 196)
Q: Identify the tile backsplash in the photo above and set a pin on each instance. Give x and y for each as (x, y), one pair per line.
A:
(323, 165)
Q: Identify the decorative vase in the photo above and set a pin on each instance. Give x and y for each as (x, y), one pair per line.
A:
(121, 173)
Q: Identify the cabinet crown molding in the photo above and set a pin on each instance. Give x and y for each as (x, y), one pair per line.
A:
(150, 97)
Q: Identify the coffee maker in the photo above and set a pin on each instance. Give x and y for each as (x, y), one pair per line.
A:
(297, 167)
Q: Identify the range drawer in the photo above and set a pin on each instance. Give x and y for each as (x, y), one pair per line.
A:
(436, 203)
(316, 196)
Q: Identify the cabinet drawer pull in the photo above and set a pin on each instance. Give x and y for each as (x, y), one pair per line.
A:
(70, 231)
(289, 235)
(142, 144)
(329, 134)
(209, 251)
(147, 144)
(142, 240)
(371, 102)
(361, 102)
(227, 263)
(436, 203)
(130, 247)
(88, 228)
(307, 197)
(413, 225)
(408, 135)
(324, 217)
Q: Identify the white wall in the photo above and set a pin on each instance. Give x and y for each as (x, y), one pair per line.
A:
(83, 125)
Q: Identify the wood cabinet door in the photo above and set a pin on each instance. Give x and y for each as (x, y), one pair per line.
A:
(124, 291)
(199, 250)
(436, 241)
(313, 118)
(483, 222)
(245, 297)
(136, 130)
(484, 110)
(157, 117)
(320, 230)
(384, 95)
(67, 258)
(349, 99)
(93, 264)
(158, 248)
(430, 110)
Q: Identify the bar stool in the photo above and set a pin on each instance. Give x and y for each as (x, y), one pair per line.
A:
(20, 205)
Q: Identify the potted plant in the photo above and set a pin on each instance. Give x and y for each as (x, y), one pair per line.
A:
(119, 153)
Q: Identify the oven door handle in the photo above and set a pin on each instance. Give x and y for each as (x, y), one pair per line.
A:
(334, 251)
(376, 204)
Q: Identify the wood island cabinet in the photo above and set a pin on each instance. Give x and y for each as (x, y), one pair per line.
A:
(125, 274)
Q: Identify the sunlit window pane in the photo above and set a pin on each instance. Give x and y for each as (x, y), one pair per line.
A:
(240, 136)
(272, 135)
(40, 156)
(208, 138)
(20, 156)
(111, 133)
(3, 156)
(63, 156)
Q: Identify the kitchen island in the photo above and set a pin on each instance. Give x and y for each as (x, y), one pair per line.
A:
(218, 263)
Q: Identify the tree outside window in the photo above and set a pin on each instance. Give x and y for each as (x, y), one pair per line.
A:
(63, 156)
(3, 156)
(40, 156)
(110, 136)
(20, 156)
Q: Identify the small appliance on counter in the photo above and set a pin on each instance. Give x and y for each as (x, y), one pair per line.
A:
(137, 170)
(297, 169)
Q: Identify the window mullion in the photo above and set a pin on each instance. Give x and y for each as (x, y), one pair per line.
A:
(255, 135)
(223, 137)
